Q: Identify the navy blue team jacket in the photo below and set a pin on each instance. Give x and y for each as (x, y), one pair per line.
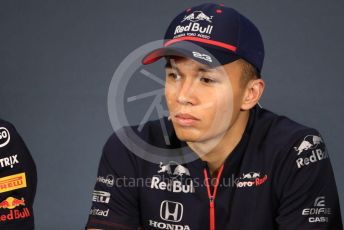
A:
(18, 181)
(279, 176)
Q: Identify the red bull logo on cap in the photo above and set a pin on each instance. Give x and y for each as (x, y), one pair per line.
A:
(197, 16)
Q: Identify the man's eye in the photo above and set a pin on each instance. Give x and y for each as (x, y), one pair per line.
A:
(207, 80)
(174, 76)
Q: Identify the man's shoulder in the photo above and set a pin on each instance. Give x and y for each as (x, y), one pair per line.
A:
(280, 123)
(279, 130)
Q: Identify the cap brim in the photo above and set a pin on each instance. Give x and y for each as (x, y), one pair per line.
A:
(204, 54)
(157, 54)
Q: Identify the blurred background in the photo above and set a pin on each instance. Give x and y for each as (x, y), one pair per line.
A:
(57, 59)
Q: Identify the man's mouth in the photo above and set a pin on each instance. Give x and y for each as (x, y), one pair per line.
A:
(186, 119)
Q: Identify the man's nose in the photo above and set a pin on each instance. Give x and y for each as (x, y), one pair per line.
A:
(186, 92)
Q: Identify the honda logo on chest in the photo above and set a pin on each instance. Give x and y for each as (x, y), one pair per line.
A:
(171, 211)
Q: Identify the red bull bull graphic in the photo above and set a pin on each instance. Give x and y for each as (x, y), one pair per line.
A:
(12, 182)
(197, 16)
(179, 170)
(16, 209)
(11, 203)
(309, 142)
(311, 150)
(251, 179)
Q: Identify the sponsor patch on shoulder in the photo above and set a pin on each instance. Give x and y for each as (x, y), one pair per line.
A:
(310, 150)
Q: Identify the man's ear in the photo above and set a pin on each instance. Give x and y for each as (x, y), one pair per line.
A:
(253, 92)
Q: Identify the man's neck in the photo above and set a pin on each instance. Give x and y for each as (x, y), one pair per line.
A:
(216, 150)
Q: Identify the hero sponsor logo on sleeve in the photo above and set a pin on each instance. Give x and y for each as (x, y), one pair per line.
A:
(171, 213)
(194, 28)
(9, 161)
(251, 179)
(101, 197)
(313, 147)
(12, 182)
(16, 209)
(319, 212)
(5, 137)
(176, 180)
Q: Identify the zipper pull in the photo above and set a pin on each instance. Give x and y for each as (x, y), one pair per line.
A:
(211, 200)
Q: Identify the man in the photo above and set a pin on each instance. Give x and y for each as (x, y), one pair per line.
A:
(279, 171)
(18, 181)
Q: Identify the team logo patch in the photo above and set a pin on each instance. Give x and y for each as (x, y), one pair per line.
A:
(251, 179)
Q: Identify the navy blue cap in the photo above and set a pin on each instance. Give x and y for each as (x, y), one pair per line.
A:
(212, 34)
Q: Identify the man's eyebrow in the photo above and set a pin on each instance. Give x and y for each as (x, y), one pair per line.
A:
(175, 69)
(168, 64)
(172, 65)
(205, 69)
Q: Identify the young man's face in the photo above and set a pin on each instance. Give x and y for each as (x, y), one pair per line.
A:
(203, 102)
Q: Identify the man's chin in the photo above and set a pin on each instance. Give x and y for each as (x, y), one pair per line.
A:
(189, 137)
